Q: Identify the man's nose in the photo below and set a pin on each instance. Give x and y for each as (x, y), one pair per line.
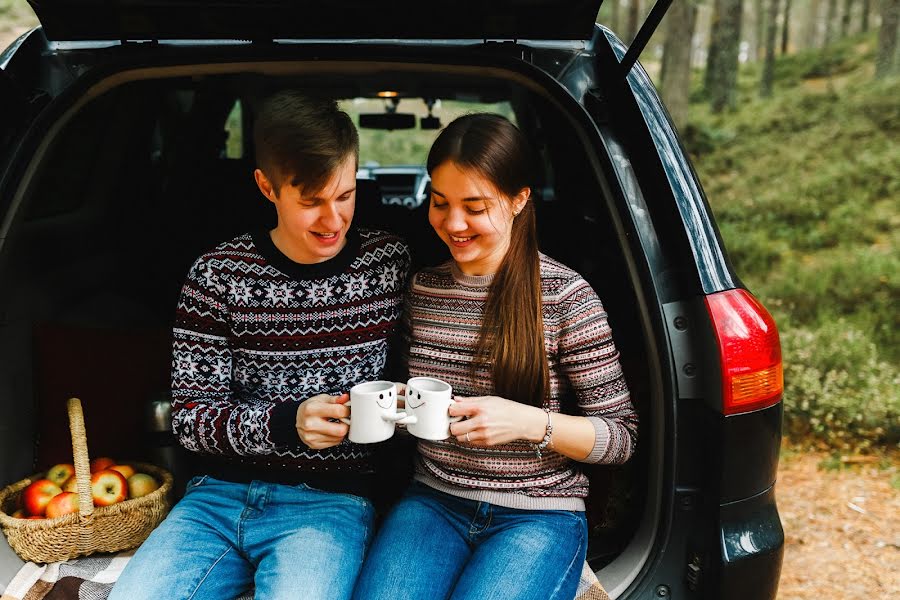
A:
(330, 215)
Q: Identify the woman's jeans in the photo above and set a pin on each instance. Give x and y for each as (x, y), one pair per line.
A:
(223, 538)
(434, 545)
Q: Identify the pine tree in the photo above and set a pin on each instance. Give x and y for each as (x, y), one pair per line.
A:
(722, 63)
(675, 75)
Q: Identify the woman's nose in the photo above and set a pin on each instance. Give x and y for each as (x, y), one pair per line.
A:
(455, 220)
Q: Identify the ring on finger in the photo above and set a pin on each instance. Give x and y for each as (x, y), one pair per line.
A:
(467, 438)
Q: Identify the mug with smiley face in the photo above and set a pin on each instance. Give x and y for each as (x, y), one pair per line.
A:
(428, 401)
(373, 412)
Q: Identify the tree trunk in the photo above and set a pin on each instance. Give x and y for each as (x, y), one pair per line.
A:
(786, 27)
(887, 61)
(722, 66)
(845, 18)
(634, 11)
(829, 22)
(812, 24)
(768, 77)
(712, 53)
(759, 14)
(614, 15)
(676, 65)
(864, 20)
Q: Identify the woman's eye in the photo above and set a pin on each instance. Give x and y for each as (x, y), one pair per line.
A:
(436, 204)
(472, 210)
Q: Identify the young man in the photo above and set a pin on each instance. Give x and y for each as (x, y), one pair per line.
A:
(272, 328)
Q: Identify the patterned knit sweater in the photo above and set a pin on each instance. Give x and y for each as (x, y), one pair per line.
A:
(256, 333)
(445, 312)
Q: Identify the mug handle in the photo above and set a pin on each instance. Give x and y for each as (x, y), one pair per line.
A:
(455, 419)
(407, 419)
(345, 420)
(397, 417)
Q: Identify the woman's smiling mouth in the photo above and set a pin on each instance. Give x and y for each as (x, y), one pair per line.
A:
(461, 241)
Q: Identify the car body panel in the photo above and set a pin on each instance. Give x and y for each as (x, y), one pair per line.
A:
(314, 19)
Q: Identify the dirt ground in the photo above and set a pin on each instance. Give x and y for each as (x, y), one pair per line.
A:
(841, 525)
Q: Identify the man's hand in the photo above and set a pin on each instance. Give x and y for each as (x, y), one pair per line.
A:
(313, 424)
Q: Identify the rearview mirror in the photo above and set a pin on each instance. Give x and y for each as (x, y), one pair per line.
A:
(389, 121)
(429, 123)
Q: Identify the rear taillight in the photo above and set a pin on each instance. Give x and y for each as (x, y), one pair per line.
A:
(752, 376)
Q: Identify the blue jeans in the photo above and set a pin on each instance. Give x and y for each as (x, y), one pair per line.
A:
(223, 538)
(434, 546)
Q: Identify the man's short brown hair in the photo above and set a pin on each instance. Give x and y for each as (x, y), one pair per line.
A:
(302, 138)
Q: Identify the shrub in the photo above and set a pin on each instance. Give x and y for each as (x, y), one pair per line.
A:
(838, 389)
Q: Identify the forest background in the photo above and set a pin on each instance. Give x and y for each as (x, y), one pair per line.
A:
(790, 110)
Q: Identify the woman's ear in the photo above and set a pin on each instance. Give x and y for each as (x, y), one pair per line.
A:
(264, 185)
(520, 200)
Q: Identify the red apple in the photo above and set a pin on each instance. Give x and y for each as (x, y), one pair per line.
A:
(59, 473)
(71, 484)
(141, 484)
(62, 504)
(101, 463)
(126, 470)
(108, 487)
(37, 495)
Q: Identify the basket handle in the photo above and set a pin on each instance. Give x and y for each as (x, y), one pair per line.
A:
(80, 455)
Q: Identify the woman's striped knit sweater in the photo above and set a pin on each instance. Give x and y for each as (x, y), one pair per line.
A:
(445, 312)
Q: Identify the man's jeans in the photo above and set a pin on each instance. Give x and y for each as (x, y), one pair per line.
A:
(222, 538)
(434, 546)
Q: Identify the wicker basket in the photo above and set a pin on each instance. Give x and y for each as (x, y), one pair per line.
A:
(92, 529)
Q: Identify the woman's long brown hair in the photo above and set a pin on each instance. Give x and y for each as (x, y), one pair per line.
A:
(511, 340)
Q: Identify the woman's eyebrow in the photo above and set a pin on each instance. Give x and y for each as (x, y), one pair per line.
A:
(470, 199)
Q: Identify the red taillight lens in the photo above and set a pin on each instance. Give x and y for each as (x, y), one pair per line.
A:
(752, 376)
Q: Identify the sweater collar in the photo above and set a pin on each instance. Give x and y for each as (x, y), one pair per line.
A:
(470, 280)
(333, 266)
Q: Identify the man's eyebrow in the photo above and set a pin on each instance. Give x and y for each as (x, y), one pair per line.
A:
(317, 197)
(469, 199)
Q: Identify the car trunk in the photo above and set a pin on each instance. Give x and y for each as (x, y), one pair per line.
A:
(134, 177)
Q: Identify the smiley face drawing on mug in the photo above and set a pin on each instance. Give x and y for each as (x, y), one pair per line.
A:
(373, 412)
(428, 401)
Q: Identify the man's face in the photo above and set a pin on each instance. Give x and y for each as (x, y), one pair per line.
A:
(312, 228)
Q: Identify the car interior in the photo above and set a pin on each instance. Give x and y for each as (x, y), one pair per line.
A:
(146, 173)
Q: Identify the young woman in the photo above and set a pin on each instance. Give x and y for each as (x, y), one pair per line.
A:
(497, 510)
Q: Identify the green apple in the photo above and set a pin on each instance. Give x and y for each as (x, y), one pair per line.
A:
(141, 484)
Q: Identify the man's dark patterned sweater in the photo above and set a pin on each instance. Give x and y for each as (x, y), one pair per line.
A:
(255, 334)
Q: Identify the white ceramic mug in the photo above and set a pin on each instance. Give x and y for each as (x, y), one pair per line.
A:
(373, 412)
(428, 401)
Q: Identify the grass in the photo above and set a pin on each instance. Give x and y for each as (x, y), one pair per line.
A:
(805, 188)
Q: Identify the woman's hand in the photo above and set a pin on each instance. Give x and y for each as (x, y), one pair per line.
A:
(313, 420)
(491, 420)
(401, 395)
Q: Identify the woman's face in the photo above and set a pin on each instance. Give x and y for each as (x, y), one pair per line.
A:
(472, 217)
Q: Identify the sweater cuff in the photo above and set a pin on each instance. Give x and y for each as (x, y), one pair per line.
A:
(283, 425)
(601, 440)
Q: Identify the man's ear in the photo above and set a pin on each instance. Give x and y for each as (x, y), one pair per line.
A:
(265, 186)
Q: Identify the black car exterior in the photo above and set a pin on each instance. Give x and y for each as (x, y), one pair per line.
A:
(706, 354)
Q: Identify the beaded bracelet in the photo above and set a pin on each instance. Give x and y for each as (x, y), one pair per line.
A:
(547, 435)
